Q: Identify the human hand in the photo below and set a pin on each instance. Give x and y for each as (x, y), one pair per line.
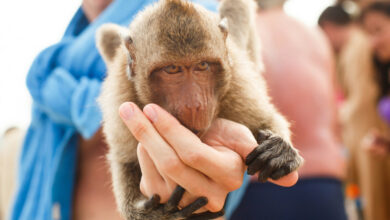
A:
(376, 144)
(169, 154)
(189, 153)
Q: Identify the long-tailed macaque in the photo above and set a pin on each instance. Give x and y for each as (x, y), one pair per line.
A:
(198, 66)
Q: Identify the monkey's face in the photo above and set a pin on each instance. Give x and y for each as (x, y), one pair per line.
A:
(178, 59)
(188, 91)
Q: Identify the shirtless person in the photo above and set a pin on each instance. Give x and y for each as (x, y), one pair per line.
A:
(63, 173)
(299, 73)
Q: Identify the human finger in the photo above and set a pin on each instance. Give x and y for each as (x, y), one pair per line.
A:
(165, 158)
(152, 182)
(193, 152)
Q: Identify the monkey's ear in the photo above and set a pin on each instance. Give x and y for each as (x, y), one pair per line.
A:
(109, 39)
(128, 41)
(224, 26)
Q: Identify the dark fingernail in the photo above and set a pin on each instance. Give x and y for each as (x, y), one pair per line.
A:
(203, 201)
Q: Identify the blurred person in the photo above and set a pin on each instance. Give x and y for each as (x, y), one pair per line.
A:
(364, 114)
(299, 70)
(336, 24)
(62, 173)
(338, 27)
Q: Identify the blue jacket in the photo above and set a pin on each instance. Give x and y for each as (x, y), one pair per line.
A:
(64, 82)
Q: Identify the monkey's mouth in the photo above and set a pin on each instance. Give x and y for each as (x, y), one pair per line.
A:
(195, 131)
(197, 121)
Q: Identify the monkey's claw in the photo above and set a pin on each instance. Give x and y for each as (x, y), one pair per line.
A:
(170, 211)
(274, 157)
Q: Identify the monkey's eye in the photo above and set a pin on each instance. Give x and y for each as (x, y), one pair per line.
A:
(202, 66)
(172, 69)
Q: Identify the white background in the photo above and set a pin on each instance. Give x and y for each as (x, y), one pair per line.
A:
(27, 27)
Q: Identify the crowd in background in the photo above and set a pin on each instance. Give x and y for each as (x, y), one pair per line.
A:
(361, 43)
(333, 85)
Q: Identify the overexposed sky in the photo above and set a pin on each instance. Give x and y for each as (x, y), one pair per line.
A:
(27, 27)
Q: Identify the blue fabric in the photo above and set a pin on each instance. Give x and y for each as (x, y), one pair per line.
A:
(311, 198)
(64, 82)
(235, 197)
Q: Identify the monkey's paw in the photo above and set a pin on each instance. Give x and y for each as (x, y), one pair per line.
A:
(274, 157)
(153, 210)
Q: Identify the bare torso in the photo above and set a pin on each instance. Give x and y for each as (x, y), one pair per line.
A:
(94, 198)
(299, 73)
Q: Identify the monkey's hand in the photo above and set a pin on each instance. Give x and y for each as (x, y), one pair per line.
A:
(153, 210)
(274, 157)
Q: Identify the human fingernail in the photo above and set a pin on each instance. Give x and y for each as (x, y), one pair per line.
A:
(151, 113)
(126, 110)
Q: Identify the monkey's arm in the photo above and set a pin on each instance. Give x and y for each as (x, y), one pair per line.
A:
(241, 15)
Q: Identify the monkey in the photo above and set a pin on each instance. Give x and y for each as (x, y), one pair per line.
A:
(174, 46)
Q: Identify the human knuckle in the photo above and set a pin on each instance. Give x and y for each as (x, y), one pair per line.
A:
(234, 184)
(142, 187)
(172, 165)
(192, 158)
(215, 204)
(167, 126)
(139, 130)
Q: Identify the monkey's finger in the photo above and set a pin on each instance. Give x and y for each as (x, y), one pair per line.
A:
(266, 172)
(191, 208)
(256, 159)
(206, 215)
(173, 202)
(263, 135)
(279, 173)
(263, 147)
(253, 155)
(152, 203)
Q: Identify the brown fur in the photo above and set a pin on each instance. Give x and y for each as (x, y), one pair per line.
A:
(177, 31)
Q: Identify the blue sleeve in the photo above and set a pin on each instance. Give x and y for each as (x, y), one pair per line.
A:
(65, 99)
(235, 197)
(211, 5)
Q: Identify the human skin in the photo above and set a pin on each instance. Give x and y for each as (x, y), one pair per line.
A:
(299, 74)
(93, 8)
(164, 141)
(225, 138)
(338, 35)
(93, 197)
(377, 25)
